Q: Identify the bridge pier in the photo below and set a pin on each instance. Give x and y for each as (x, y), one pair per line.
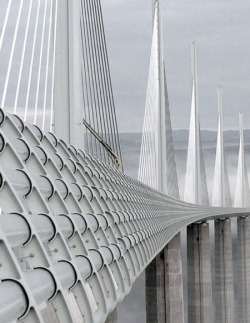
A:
(200, 305)
(164, 291)
(112, 318)
(224, 283)
(173, 281)
(243, 252)
(155, 291)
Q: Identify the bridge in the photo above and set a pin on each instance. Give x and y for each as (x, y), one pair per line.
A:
(75, 230)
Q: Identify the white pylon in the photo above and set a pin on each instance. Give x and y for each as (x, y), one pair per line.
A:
(242, 192)
(67, 92)
(148, 161)
(195, 184)
(221, 190)
(157, 161)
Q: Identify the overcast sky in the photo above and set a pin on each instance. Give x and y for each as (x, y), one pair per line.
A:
(222, 32)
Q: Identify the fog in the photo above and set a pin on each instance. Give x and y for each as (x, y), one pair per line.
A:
(132, 309)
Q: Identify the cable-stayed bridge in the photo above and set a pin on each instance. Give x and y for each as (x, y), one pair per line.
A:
(75, 231)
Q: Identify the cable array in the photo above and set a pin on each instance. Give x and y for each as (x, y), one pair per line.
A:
(157, 166)
(99, 108)
(148, 157)
(28, 56)
(27, 49)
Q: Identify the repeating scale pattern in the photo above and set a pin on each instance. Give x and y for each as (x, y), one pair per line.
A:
(75, 233)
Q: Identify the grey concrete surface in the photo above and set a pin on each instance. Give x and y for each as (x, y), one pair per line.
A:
(243, 268)
(224, 283)
(174, 281)
(155, 291)
(164, 290)
(112, 318)
(200, 308)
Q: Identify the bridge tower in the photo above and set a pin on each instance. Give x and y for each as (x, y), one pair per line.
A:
(224, 280)
(221, 190)
(200, 307)
(164, 292)
(195, 183)
(157, 160)
(84, 108)
(242, 199)
(242, 192)
(67, 96)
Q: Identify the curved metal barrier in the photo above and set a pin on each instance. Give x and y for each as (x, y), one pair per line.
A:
(75, 233)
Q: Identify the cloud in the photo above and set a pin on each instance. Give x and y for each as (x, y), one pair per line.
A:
(222, 32)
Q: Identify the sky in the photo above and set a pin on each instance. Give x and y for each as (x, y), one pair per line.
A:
(222, 32)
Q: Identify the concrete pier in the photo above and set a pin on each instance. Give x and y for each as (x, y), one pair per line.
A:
(243, 261)
(164, 291)
(112, 318)
(173, 281)
(155, 290)
(224, 283)
(200, 305)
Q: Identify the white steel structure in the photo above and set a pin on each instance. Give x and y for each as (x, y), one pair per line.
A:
(55, 71)
(242, 192)
(67, 92)
(75, 233)
(27, 59)
(221, 190)
(195, 185)
(157, 166)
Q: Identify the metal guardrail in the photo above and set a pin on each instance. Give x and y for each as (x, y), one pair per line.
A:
(75, 233)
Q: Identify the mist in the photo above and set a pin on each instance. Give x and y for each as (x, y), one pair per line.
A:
(133, 306)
